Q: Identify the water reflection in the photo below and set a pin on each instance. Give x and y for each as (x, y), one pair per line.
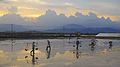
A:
(57, 55)
(26, 49)
(12, 44)
(92, 44)
(34, 59)
(48, 50)
(77, 54)
(32, 53)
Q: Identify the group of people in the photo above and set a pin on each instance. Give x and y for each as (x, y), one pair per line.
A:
(32, 52)
(78, 44)
(92, 44)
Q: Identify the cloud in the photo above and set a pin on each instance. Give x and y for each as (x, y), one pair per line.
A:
(3, 13)
(13, 19)
(52, 20)
(12, 10)
(36, 8)
(8, 1)
(68, 4)
(36, 12)
(37, 1)
(30, 12)
(105, 5)
(91, 20)
(13, 0)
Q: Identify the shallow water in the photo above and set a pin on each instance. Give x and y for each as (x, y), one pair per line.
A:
(62, 54)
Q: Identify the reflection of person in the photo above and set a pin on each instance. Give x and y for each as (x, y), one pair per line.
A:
(77, 54)
(92, 48)
(34, 59)
(92, 44)
(110, 44)
(48, 53)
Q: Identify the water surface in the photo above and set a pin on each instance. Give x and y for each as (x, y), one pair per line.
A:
(62, 54)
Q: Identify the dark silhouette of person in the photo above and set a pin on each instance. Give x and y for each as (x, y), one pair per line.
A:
(48, 49)
(32, 52)
(77, 44)
(110, 45)
(48, 46)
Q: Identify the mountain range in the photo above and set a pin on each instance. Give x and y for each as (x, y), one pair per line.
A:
(68, 28)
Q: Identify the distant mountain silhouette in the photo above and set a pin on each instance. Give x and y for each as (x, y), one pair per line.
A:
(100, 30)
(68, 28)
(16, 28)
(72, 28)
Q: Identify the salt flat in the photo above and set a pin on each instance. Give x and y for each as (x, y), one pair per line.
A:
(62, 54)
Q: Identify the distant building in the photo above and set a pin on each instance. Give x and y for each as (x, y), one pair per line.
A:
(108, 35)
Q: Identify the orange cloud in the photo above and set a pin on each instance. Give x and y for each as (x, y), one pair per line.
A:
(68, 4)
(72, 11)
(3, 13)
(30, 12)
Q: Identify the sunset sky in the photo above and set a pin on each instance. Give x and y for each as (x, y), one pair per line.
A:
(37, 8)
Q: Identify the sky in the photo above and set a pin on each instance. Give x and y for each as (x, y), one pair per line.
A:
(31, 10)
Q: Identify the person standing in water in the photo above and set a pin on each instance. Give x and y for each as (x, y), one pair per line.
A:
(77, 44)
(33, 49)
(48, 46)
(110, 45)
